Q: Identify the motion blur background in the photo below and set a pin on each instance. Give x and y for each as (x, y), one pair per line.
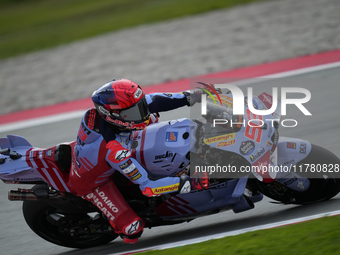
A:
(55, 51)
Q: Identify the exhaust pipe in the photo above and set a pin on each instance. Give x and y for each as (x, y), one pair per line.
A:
(21, 195)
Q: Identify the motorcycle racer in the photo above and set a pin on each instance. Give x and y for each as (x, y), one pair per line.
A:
(104, 143)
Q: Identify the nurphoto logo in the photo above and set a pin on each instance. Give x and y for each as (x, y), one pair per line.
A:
(238, 103)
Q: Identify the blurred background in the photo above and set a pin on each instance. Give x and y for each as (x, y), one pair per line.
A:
(55, 51)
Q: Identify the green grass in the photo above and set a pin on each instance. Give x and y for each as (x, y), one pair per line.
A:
(321, 236)
(30, 25)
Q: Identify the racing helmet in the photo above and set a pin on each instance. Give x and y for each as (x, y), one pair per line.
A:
(122, 103)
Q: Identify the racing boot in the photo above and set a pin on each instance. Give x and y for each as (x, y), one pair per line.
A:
(132, 232)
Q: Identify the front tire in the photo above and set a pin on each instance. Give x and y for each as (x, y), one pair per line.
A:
(323, 186)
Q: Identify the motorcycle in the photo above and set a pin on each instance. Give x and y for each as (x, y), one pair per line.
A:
(243, 157)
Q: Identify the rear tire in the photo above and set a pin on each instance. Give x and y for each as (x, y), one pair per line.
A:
(38, 217)
(323, 186)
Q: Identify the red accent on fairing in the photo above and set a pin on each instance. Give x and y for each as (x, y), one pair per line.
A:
(173, 201)
(266, 99)
(182, 200)
(28, 161)
(172, 207)
(48, 170)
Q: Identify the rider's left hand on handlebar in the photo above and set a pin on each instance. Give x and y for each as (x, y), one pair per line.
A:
(199, 182)
(195, 96)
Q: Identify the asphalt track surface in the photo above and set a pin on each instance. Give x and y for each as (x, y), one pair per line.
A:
(321, 128)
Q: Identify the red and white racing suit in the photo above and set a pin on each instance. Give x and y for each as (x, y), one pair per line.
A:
(101, 150)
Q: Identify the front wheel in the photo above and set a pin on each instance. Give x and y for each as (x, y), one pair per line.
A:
(323, 186)
(61, 228)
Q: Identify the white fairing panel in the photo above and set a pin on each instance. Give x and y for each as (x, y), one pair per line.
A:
(17, 169)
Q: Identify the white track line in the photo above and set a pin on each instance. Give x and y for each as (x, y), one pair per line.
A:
(231, 233)
(71, 115)
(41, 121)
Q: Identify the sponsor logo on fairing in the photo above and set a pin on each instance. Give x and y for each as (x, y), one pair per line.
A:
(49, 153)
(29, 179)
(291, 145)
(219, 138)
(227, 143)
(247, 147)
(171, 136)
(300, 185)
(166, 155)
(258, 153)
(303, 147)
(165, 189)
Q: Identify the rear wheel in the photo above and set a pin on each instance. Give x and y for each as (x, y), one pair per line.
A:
(323, 186)
(69, 230)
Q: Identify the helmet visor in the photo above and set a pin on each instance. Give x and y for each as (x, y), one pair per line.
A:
(138, 112)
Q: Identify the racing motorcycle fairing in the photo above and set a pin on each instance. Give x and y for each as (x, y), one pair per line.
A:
(163, 148)
(35, 165)
(253, 137)
(291, 151)
(229, 195)
(16, 169)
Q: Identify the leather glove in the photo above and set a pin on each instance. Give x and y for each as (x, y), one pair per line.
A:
(154, 118)
(187, 184)
(200, 181)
